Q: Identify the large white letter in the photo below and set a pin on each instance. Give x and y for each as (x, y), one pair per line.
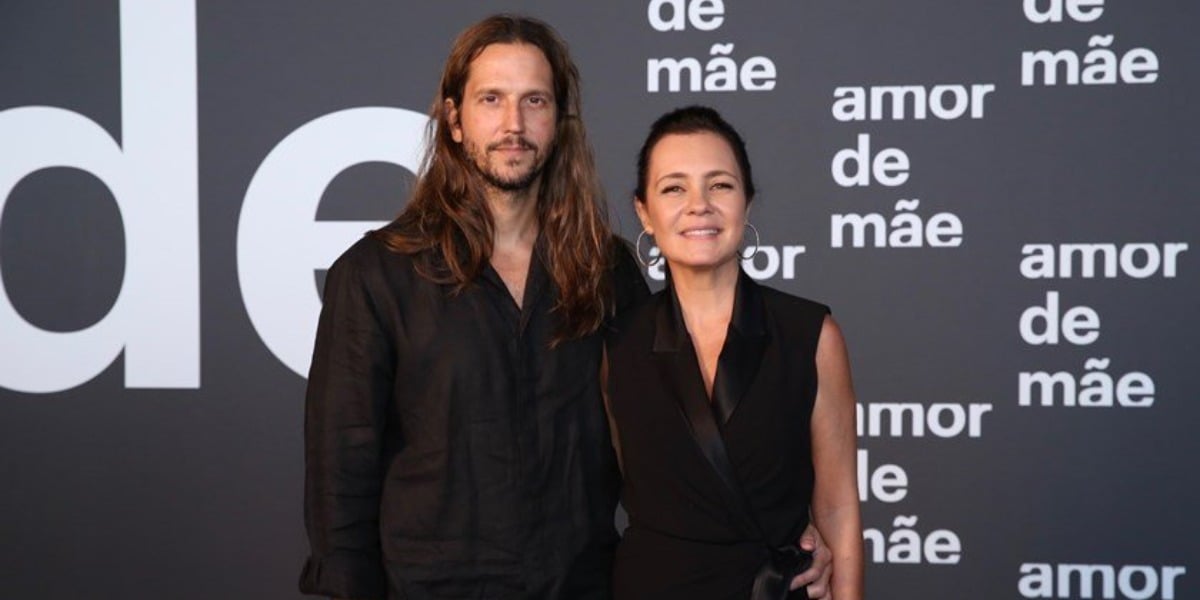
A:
(152, 175)
(279, 244)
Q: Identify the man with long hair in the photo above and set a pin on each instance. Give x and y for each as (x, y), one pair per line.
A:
(456, 443)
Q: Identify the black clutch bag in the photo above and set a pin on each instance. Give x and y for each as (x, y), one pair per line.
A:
(774, 577)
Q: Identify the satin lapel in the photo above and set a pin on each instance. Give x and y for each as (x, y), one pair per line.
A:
(742, 353)
(675, 358)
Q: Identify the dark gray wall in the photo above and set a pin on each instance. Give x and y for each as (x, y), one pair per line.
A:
(162, 237)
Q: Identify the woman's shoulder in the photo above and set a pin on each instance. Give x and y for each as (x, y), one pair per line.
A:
(796, 319)
(636, 321)
(790, 305)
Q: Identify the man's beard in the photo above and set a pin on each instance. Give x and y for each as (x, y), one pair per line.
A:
(512, 183)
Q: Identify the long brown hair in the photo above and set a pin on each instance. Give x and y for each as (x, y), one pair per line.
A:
(447, 225)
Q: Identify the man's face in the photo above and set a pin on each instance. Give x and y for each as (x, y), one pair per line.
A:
(506, 122)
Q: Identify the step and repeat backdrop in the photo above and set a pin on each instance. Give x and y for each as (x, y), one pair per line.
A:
(999, 199)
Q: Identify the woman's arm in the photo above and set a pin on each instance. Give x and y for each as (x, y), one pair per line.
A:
(835, 495)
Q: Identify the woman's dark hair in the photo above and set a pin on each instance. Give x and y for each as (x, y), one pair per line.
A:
(687, 120)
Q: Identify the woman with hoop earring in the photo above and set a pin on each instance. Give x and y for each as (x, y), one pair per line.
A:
(731, 404)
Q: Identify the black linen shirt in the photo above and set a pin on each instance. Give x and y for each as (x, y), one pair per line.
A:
(450, 452)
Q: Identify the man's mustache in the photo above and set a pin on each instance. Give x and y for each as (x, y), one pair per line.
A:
(518, 142)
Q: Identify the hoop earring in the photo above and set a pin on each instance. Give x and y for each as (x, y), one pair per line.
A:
(637, 251)
(752, 250)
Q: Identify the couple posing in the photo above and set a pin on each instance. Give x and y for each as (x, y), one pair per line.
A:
(491, 373)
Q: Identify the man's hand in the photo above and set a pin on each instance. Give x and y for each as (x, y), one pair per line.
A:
(817, 576)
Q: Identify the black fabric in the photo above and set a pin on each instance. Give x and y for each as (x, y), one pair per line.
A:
(737, 364)
(691, 534)
(450, 452)
(774, 578)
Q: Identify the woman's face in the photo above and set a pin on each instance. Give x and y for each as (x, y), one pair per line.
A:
(695, 204)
